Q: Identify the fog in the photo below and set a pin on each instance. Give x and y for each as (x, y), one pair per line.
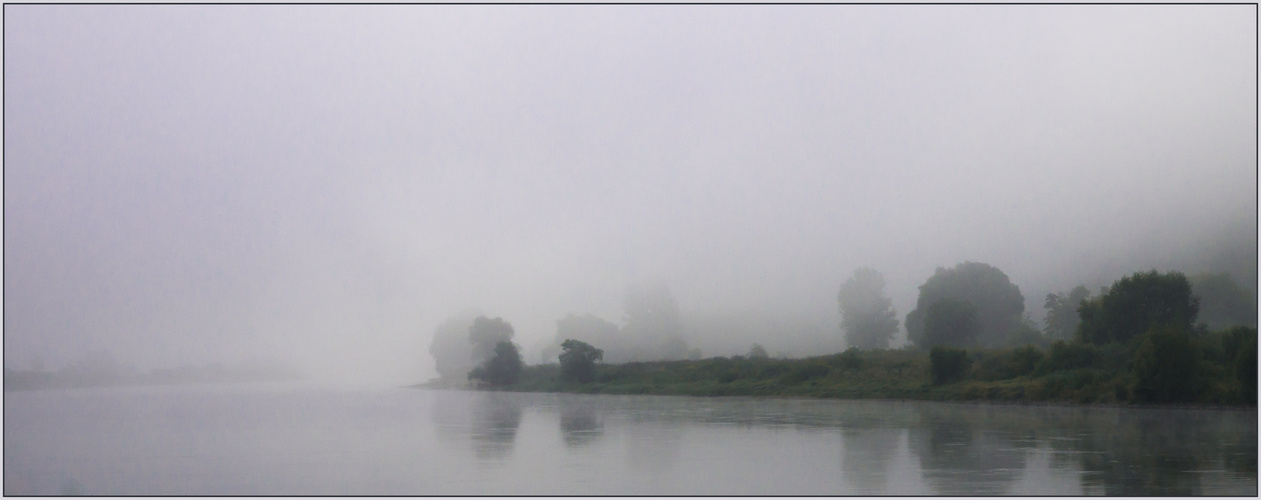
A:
(324, 185)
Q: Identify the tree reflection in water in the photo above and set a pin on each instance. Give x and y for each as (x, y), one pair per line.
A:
(958, 457)
(967, 449)
(496, 418)
(579, 421)
(868, 452)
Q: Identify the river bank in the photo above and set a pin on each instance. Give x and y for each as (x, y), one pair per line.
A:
(994, 376)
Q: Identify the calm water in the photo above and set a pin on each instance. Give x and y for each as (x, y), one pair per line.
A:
(305, 440)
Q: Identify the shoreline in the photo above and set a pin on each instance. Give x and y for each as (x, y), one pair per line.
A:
(999, 402)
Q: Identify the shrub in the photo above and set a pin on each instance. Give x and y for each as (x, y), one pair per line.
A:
(948, 364)
(803, 372)
(1068, 356)
(1024, 360)
(850, 360)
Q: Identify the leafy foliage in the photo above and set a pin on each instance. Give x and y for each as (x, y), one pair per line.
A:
(1135, 304)
(1166, 367)
(867, 316)
(1061, 312)
(948, 364)
(1068, 356)
(1007, 364)
(503, 368)
(851, 360)
(577, 361)
(757, 352)
(950, 322)
(1241, 352)
(999, 303)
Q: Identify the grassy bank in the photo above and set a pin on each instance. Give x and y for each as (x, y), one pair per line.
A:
(1064, 373)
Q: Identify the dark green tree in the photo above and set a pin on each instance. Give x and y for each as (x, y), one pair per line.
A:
(950, 322)
(1240, 346)
(503, 367)
(1061, 313)
(999, 304)
(1136, 304)
(867, 316)
(485, 334)
(1223, 303)
(1166, 366)
(757, 352)
(577, 360)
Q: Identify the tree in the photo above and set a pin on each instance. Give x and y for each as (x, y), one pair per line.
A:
(485, 335)
(577, 361)
(999, 304)
(502, 368)
(1240, 346)
(452, 354)
(593, 330)
(1166, 366)
(1136, 304)
(1061, 312)
(757, 352)
(867, 316)
(653, 325)
(1223, 303)
(950, 322)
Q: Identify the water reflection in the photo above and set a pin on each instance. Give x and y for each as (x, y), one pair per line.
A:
(958, 456)
(976, 449)
(488, 421)
(867, 456)
(579, 422)
(496, 418)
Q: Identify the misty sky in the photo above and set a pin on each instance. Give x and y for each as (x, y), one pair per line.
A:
(323, 185)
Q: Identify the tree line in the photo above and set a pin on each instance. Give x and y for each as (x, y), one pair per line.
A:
(969, 320)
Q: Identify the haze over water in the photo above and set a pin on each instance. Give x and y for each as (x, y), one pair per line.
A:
(286, 439)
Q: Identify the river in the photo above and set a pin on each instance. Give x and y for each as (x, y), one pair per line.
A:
(305, 439)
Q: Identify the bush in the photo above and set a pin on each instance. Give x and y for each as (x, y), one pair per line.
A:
(948, 364)
(1166, 367)
(1024, 360)
(1002, 365)
(850, 360)
(771, 371)
(1068, 356)
(803, 372)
